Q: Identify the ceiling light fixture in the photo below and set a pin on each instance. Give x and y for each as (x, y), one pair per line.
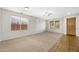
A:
(48, 13)
(26, 8)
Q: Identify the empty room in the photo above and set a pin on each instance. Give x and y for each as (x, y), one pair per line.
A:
(39, 29)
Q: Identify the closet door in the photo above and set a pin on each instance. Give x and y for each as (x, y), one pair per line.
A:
(71, 26)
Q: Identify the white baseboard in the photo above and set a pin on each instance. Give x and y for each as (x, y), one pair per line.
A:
(21, 36)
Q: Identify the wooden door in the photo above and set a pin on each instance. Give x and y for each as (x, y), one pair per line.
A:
(71, 26)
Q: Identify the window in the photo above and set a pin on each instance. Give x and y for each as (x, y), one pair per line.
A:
(24, 23)
(54, 24)
(18, 23)
(57, 24)
(15, 24)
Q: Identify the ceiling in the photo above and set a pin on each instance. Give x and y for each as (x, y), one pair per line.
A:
(46, 12)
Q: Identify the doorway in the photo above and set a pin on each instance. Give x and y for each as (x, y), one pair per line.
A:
(71, 26)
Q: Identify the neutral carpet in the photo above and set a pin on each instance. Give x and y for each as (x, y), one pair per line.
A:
(40, 42)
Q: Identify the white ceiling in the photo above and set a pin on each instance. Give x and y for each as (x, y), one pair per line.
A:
(46, 12)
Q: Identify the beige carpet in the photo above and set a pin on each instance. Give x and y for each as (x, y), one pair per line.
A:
(40, 42)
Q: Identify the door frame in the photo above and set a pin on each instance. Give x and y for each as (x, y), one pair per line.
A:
(67, 25)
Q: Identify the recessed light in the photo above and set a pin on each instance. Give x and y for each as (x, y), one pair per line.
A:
(26, 8)
(68, 13)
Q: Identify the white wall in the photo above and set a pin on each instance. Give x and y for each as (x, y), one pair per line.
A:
(77, 23)
(36, 25)
(63, 28)
(0, 26)
(59, 30)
